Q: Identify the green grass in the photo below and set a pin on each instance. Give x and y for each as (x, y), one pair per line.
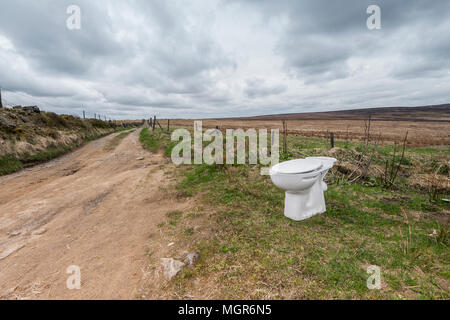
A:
(328, 252)
(149, 140)
(47, 155)
(157, 140)
(254, 252)
(9, 164)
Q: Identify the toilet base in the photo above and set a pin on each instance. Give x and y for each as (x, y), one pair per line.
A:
(301, 206)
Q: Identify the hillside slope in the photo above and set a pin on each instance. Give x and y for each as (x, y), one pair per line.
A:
(29, 136)
(438, 113)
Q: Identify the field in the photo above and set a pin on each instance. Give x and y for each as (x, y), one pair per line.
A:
(425, 126)
(249, 250)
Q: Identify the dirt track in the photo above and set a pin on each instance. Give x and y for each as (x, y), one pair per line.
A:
(92, 208)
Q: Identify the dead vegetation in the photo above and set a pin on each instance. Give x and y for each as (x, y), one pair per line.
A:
(421, 134)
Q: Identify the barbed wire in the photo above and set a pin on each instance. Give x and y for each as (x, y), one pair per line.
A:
(38, 101)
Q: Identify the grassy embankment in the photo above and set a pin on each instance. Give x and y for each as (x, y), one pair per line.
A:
(29, 138)
(249, 250)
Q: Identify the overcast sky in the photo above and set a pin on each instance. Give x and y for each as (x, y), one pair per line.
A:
(211, 58)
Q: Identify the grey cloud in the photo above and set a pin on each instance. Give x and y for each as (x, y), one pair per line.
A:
(38, 30)
(259, 88)
(323, 35)
(135, 57)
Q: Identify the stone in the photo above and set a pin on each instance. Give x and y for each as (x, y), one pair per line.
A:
(8, 292)
(32, 109)
(39, 232)
(10, 250)
(171, 267)
(192, 257)
(7, 124)
(140, 158)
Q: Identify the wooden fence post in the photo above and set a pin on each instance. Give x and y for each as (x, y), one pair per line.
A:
(159, 125)
(346, 139)
(284, 136)
(332, 140)
(168, 125)
(1, 103)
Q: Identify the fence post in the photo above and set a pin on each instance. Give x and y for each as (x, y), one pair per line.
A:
(84, 115)
(159, 124)
(154, 123)
(332, 140)
(1, 103)
(168, 125)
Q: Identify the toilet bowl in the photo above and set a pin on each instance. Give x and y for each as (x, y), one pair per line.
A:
(302, 179)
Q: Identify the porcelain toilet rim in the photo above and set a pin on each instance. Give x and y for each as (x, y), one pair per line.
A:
(327, 163)
(303, 175)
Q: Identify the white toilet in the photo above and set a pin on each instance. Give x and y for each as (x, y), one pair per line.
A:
(302, 179)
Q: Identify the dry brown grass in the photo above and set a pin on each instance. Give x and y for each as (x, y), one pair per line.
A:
(421, 134)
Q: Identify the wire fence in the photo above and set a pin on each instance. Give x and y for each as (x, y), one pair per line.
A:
(11, 99)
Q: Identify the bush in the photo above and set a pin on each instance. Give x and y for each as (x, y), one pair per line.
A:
(51, 119)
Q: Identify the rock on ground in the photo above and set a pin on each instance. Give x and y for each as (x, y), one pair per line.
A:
(171, 267)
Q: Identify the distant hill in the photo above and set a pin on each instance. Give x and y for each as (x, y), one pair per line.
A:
(435, 113)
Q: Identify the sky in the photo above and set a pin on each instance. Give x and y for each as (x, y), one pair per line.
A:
(223, 58)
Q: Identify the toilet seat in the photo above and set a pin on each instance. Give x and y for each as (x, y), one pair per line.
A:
(298, 166)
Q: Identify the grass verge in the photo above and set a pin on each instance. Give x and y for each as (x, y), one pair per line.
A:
(251, 251)
(155, 141)
(13, 163)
